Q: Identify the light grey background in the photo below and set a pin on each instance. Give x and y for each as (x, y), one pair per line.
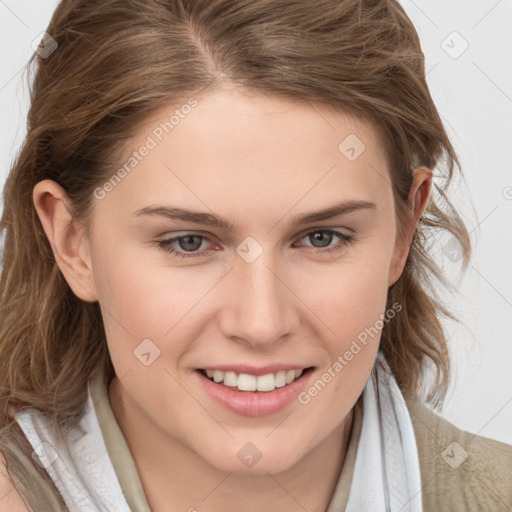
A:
(473, 92)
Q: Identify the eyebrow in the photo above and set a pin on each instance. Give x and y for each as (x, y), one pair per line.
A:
(216, 221)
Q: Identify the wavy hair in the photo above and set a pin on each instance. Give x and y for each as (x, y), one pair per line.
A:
(118, 62)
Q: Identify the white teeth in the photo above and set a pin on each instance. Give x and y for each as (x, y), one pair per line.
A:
(246, 382)
(266, 382)
(230, 379)
(280, 379)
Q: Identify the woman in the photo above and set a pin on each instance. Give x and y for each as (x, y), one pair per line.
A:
(215, 286)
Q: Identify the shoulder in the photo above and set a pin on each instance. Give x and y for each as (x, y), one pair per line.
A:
(460, 470)
(10, 499)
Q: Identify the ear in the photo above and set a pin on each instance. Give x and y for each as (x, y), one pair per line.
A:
(67, 239)
(417, 202)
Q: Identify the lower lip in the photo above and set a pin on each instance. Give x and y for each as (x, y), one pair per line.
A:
(254, 403)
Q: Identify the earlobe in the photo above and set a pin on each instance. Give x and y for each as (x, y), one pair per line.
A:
(419, 196)
(67, 240)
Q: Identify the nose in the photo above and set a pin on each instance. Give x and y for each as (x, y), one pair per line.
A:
(259, 305)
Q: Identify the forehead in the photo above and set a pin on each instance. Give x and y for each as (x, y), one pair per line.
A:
(229, 150)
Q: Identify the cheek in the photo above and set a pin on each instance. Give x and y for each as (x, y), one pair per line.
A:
(144, 299)
(350, 298)
(352, 304)
(137, 287)
(351, 293)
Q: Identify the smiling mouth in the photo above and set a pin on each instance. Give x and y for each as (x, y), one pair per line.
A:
(261, 383)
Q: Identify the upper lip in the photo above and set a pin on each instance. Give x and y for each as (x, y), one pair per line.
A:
(252, 370)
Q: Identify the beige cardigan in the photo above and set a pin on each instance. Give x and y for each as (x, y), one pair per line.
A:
(460, 472)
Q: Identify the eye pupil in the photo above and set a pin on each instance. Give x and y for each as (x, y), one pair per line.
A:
(325, 235)
(189, 240)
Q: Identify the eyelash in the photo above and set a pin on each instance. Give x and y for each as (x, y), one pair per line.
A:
(166, 245)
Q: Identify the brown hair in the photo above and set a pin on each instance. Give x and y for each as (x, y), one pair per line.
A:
(117, 62)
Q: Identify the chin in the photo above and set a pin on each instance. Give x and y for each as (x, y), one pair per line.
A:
(248, 459)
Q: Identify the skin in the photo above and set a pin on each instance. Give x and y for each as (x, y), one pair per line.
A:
(258, 162)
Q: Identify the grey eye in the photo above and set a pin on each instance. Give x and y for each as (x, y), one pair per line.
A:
(190, 242)
(323, 237)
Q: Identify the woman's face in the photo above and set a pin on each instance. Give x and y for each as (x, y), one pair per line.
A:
(261, 282)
